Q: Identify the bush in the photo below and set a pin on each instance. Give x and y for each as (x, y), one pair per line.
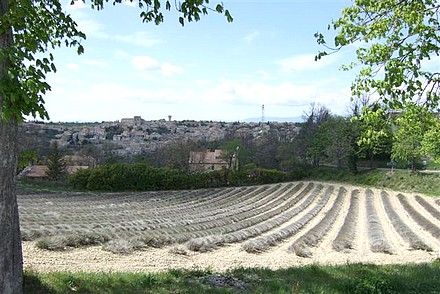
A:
(128, 177)
(141, 177)
(299, 173)
(122, 246)
(80, 179)
(64, 242)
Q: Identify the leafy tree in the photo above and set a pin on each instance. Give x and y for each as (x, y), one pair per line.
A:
(310, 146)
(230, 152)
(286, 155)
(28, 30)
(265, 150)
(416, 135)
(25, 158)
(338, 136)
(176, 155)
(56, 166)
(397, 39)
(431, 142)
(93, 153)
(374, 132)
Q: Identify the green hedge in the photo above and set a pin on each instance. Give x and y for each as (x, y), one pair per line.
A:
(128, 177)
(142, 177)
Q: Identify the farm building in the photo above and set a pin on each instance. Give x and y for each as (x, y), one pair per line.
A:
(203, 161)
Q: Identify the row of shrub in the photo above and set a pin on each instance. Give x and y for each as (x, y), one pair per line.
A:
(142, 177)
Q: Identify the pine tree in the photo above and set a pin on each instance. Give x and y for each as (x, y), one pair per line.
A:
(56, 166)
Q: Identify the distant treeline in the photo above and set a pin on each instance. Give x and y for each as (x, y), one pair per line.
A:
(143, 177)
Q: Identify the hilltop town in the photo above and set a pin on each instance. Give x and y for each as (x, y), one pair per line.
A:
(133, 136)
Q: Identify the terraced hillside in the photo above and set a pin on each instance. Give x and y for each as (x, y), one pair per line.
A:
(273, 226)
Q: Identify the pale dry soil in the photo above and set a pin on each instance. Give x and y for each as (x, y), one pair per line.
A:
(94, 259)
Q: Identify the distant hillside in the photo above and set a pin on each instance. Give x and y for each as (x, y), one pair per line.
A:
(295, 119)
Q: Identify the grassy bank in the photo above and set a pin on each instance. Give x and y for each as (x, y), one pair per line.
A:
(398, 180)
(354, 278)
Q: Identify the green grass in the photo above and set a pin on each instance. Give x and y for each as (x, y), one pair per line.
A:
(33, 186)
(352, 278)
(433, 165)
(399, 180)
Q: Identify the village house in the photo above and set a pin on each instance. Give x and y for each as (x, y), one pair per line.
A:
(204, 161)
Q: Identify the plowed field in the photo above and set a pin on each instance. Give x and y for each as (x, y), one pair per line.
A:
(272, 226)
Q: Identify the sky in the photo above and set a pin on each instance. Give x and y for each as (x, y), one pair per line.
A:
(206, 70)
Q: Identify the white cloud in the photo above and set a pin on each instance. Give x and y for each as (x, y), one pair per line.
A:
(169, 69)
(88, 26)
(259, 93)
(93, 28)
(146, 63)
(249, 38)
(121, 53)
(296, 97)
(264, 75)
(221, 100)
(203, 83)
(305, 62)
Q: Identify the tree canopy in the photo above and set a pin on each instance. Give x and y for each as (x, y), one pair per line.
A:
(36, 27)
(374, 131)
(416, 135)
(399, 45)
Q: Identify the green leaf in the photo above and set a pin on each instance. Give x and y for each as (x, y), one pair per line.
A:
(228, 16)
(52, 66)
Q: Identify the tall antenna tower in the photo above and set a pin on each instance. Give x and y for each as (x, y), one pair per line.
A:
(262, 113)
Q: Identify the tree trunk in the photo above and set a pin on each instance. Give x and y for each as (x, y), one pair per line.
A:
(11, 259)
(413, 165)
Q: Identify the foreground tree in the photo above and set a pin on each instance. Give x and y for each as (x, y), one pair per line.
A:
(29, 28)
(397, 40)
